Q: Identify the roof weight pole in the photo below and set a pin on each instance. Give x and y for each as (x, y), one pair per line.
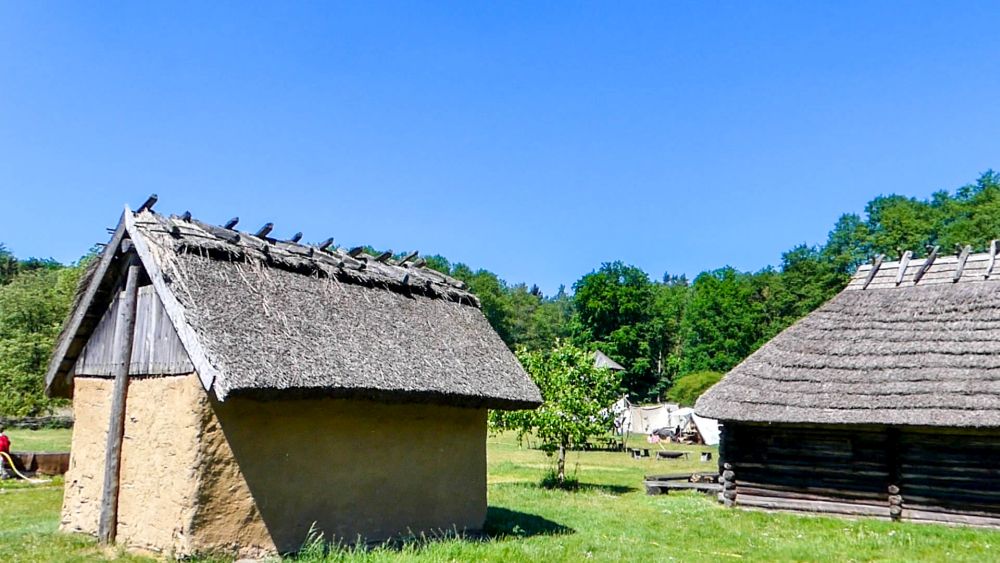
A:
(124, 336)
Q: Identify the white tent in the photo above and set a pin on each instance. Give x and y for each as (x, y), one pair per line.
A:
(707, 428)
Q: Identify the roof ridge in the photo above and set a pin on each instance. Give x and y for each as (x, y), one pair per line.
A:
(962, 267)
(188, 235)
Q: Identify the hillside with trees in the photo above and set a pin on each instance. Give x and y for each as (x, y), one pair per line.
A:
(660, 328)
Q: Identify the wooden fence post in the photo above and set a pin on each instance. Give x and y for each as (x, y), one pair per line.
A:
(124, 331)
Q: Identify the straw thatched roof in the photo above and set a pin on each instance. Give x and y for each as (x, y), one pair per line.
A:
(264, 317)
(905, 345)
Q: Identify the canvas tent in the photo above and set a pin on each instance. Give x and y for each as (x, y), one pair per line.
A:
(884, 402)
(233, 390)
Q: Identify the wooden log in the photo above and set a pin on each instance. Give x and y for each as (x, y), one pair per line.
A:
(108, 524)
(871, 273)
(793, 492)
(775, 503)
(928, 262)
(186, 217)
(148, 204)
(963, 257)
(763, 491)
(264, 230)
(355, 252)
(231, 224)
(945, 503)
(949, 518)
(904, 261)
(993, 259)
(325, 246)
(297, 237)
(384, 256)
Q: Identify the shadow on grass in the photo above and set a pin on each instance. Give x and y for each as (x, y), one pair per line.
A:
(608, 489)
(502, 523)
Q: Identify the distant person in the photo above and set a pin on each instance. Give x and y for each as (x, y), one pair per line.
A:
(5, 449)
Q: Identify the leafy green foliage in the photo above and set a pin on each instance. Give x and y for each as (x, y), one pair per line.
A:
(575, 397)
(33, 305)
(688, 388)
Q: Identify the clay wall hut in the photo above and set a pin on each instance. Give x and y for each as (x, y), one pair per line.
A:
(883, 402)
(271, 387)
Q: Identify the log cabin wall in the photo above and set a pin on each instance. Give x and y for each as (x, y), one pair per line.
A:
(919, 473)
(950, 476)
(820, 469)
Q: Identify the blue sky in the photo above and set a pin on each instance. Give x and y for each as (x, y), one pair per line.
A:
(533, 139)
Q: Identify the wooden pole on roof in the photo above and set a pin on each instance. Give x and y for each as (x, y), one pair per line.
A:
(124, 336)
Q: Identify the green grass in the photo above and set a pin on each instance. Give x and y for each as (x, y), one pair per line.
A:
(609, 518)
(44, 440)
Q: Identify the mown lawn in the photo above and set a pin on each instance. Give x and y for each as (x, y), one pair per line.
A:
(44, 440)
(610, 518)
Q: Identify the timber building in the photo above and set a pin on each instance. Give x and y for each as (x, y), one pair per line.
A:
(883, 402)
(233, 390)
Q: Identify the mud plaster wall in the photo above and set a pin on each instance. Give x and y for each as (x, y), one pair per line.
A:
(163, 419)
(354, 468)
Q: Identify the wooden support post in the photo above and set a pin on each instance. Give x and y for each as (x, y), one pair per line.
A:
(124, 335)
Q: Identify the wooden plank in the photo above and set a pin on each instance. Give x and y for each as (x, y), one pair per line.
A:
(157, 350)
(107, 527)
(207, 373)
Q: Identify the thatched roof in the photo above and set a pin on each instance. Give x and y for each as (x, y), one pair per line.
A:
(924, 352)
(265, 317)
(601, 360)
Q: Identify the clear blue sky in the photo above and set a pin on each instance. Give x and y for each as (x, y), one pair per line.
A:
(536, 140)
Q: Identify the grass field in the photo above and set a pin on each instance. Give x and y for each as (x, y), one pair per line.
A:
(609, 518)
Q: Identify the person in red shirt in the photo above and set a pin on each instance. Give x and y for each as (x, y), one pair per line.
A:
(5, 448)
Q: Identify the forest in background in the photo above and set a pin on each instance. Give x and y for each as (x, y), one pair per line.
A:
(673, 335)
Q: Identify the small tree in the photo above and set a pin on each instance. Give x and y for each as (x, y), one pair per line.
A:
(575, 394)
(688, 388)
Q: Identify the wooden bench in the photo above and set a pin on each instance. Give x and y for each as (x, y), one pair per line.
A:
(665, 454)
(706, 482)
(664, 487)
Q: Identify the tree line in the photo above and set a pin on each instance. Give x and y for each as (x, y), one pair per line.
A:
(661, 328)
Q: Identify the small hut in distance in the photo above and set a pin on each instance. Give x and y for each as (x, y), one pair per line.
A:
(883, 402)
(601, 360)
(232, 390)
